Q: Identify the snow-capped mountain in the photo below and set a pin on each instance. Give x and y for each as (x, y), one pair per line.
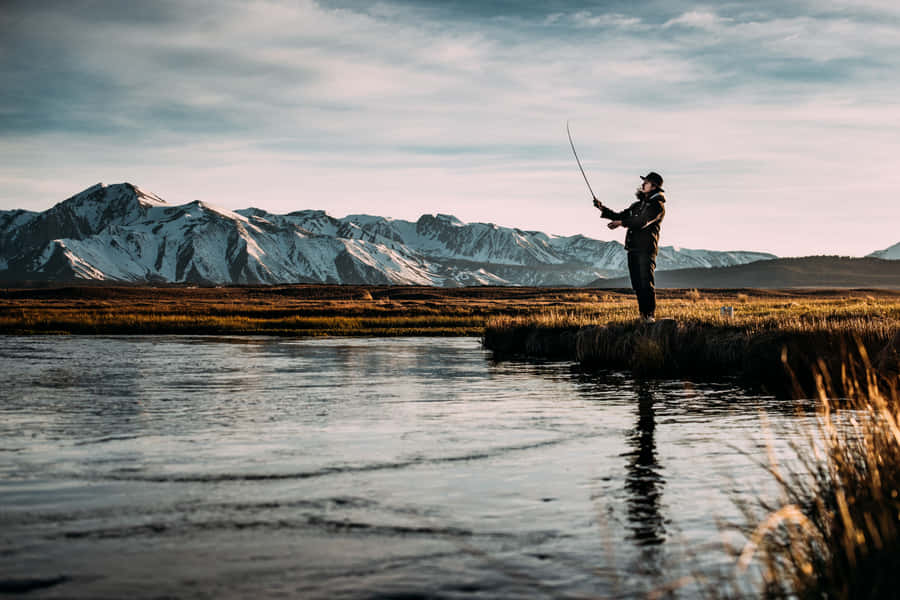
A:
(122, 233)
(891, 253)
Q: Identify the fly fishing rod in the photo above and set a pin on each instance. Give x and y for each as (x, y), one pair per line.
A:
(578, 160)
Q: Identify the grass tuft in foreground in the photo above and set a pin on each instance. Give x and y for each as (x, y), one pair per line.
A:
(836, 531)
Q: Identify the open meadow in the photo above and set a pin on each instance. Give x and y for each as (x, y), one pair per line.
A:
(301, 310)
(316, 310)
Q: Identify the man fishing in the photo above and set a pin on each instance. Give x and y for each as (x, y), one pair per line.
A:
(642, 219)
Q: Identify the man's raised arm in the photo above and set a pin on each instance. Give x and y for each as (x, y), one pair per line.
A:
(610, 214)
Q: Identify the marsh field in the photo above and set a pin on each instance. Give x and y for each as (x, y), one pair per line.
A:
(317, 310)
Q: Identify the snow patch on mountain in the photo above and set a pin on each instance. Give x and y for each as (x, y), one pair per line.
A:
(670, 258)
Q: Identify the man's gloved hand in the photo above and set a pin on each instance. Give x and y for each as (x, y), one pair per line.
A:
(597, 203)
(614, 224)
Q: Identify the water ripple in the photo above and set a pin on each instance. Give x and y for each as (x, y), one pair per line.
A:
(490, 479)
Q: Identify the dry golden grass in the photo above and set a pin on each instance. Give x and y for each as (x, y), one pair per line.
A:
(408, 310)
(698, 340)
(835, 533)
(753, 313)
(285, 310)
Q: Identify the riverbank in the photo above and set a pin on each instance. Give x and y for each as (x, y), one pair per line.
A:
(776, 346)
(595, 328)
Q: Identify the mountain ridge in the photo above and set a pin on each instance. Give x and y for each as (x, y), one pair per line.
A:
(120, 232)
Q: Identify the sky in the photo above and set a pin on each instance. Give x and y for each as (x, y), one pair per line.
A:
(776, 124)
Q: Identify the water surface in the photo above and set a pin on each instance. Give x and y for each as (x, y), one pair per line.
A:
(359, 468)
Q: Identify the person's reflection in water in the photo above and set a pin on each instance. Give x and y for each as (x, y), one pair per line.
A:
(644, 482)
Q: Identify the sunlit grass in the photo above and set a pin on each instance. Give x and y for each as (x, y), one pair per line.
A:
(835, 532)
(347, 310)
(751, 314)
(853, 317)
(693, 338)
(155, 322)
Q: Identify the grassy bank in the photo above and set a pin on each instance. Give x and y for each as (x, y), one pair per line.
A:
(834, 533)
(692, 338)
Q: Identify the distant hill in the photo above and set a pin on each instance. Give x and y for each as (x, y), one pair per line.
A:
(892, 253)
(810, 271)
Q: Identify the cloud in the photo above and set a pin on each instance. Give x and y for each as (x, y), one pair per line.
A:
(587, 19)
(705, 20)
(457, 106)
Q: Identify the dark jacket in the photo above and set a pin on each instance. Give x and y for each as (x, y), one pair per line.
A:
(642, 220)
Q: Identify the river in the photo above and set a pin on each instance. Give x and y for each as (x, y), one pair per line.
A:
(199, 467)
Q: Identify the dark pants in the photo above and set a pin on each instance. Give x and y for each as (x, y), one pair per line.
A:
(641, 266)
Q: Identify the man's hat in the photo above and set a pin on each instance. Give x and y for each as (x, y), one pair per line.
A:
(654, 178)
